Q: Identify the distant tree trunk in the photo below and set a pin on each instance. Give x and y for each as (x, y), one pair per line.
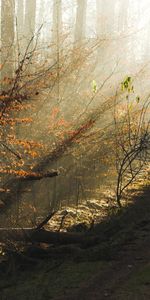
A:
(30, 15)
(80, 21)
(123, 15)
(103, 15)
(57, 21)
(40, 21)
(20, 17)
(98, 18)
(19, 42)
(123, 24)
(105, 28)
(56, 35)
(56, 40)
(7, 39)
(100, 30)
(147, 44)
(29, 30)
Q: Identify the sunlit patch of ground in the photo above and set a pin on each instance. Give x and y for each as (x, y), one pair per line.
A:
(89, 212)
(93, 211)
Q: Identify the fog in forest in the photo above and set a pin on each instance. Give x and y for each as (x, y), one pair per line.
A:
(74, 149)
(74, 101)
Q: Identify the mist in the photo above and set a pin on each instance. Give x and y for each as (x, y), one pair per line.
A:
(75, 149)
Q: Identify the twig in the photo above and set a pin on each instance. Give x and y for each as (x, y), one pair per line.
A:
(50, 215)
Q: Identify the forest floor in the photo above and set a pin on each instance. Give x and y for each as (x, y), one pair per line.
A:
(118, 267)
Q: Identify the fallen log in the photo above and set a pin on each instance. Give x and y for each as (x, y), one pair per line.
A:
(44, 236)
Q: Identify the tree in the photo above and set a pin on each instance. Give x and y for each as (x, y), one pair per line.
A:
(57, 22)
(16, 151)
(7, 40)
(30, 18)
(20, 34)
(132, 139)
(123, 15)
(99, 30)
(80, 23)
(20, 17)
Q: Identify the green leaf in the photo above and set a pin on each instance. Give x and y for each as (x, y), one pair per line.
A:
(127, 85)
(137, 99)
(94, 86)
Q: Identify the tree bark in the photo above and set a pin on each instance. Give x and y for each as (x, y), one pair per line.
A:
(7, 40)
(57, 21)
(80, 21)
(30, 14)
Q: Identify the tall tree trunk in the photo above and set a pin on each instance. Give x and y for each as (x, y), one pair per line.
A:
(98, 18)
(105, 28)
(20, 17)
(56, 40)
(123, 20)
(123, 24)
(80, 21)
(7, 39)
(30, 15)
(57, 22)
(20, 26)
(29, 30)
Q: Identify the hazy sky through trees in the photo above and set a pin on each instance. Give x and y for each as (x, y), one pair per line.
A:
(71, 57)
(105, 19)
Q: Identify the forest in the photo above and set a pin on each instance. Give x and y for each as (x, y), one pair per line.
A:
(74, 149)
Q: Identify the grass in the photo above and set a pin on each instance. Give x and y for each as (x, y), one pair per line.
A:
(140, 279)
(48, 280)
(137, 286)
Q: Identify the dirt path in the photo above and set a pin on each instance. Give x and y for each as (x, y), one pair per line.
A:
(128, 274)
